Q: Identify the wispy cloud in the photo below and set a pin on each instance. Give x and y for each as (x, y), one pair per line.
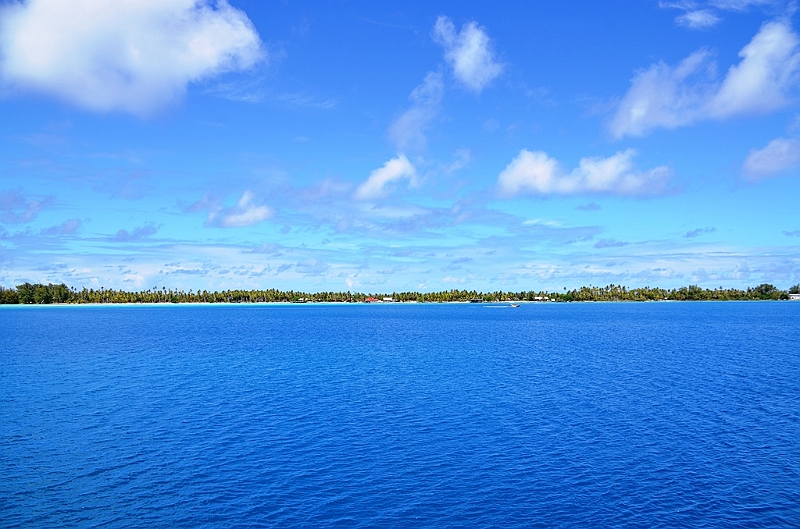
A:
(246, 212)
(473, 64)
(668, 97)
(408, 131)
(136, 234)
(781, 154)
(134, 57)
(741, 5)
(538, 173)
(610, 243)
(303, 100)
(703, 15)
(461, 158)
(125, 185)
(456, 264)
(665, 96)
(695, 15)
(698, 19)
(16, 209)
(795, 233)
(68, 227)
(469, 53)
(378, 184)
(312, 267)
(266, 248)
(698, 232)
(240, 91)
(326, 189)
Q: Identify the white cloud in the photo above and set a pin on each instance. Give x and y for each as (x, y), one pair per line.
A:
(661, 97)
(670, 97)
(698, 19)
(377, 185)
(761, 82)
(128, 55)
(778, 156)
(468, 52)
(245, 213)
(740, 5)
(538, 173)
(703, 15)
(408, 131)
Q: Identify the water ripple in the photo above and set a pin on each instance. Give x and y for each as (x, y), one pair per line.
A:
(552, 415)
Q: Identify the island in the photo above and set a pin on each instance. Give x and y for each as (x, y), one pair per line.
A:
(41, 294)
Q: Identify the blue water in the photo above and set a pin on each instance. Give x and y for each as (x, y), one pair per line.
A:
(550, 415)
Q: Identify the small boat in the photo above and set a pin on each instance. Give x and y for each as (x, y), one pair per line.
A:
(514, 305)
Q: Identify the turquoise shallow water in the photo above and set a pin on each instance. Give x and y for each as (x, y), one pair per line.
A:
(550, 415)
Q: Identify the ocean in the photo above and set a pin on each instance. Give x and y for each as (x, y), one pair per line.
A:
(401, 415)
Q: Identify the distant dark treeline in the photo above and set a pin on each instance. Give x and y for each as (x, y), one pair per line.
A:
(46, 294)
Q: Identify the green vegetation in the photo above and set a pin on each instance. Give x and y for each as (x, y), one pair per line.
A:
(40, 294)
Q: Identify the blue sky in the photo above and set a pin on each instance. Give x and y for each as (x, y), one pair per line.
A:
(399, 146)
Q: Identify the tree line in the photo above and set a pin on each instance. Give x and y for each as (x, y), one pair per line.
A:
(40, 294)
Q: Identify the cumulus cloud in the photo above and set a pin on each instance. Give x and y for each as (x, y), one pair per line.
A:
(669, 97)
(378, 185)
(779, 155)
(16, 209)
(246, 213)
(761, 82)
(128, 55)
(408, 131)
(535, 172)
(136, 234)
(469, 53)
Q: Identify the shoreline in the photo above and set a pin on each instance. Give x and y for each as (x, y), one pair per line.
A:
(487, 304)
(41, 294)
